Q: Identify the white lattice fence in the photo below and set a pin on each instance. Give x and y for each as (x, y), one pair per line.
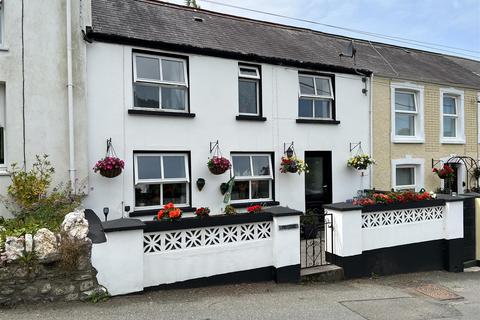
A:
(403, 216)
(164, 241)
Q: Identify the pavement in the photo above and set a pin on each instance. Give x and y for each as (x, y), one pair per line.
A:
(430, 295)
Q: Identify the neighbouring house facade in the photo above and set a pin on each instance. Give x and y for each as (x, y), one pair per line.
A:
(164, 105)
(33, 87)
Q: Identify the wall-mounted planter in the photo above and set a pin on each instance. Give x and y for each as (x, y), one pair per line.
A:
(200, 183)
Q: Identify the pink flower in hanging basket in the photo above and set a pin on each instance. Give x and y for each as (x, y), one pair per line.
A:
(109, 167)
(218, 164)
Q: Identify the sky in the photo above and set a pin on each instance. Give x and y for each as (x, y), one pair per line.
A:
(453, 23)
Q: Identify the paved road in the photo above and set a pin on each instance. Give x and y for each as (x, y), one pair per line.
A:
(392, 298)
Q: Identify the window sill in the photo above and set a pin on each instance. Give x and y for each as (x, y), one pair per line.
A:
(3, 48)
(4, 172)
(318, 121)
(408, 140)
(251, 118)
(452, 141)
(248, 204)
(146, 213)
(161, 113)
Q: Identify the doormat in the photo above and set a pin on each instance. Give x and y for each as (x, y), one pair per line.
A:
(438, 292)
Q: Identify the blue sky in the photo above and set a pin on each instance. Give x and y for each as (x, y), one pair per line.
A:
(454, 23)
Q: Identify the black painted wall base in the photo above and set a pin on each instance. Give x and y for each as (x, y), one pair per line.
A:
(416, 257)
(288, 274)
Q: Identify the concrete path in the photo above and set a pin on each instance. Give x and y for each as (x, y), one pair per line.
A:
(405, 297)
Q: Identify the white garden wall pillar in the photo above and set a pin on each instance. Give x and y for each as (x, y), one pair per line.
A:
(454, 233)
(286, 244)
(119, 260)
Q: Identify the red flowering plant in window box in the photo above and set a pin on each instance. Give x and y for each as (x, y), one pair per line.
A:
(394, 197)
(218, 164)
(109, 167)
(255, 209)
(446, 172)
(202, 212)
(169, 212)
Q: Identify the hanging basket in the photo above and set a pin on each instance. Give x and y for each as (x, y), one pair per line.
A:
(217, 170)
(111, 173)
(217, 164)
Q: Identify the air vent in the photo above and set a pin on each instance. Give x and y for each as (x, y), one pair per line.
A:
(198, 19)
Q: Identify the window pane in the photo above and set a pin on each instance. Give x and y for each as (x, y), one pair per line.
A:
(147, 195)
(240, 190)
(149, 167)
(449, 105)
(322, 109)
(248, 72)
(449, 127)
(404, 101)
(241, 166)
(261, 165)
(173, 98)
(145, 96)
(404, 124)
(323, 86)
(405, 176)
(148, 68)
(173, 71)
(305, 108)
(174, 167)
(261, 189)
(175, 192)
(306, 85)
(247, 96)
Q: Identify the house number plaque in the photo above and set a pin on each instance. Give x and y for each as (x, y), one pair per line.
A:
(288, 226)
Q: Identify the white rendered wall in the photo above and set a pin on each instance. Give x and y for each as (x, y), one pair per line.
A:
(213, 98)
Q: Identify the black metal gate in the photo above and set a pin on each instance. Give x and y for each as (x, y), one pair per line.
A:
(469, 229)
(315, 239)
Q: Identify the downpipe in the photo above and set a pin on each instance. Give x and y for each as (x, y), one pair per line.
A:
(71, 132)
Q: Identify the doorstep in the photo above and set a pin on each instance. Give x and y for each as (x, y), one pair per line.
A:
(326, 273)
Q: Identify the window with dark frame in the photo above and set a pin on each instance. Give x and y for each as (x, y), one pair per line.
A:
(161, 178)
(253, 177)
(160, 82)
(316, 97)
(249, 86)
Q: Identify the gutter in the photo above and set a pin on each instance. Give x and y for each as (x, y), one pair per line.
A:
(71, 137)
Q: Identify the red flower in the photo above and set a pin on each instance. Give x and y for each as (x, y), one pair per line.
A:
(169, 205)
(174, 214)
(160, 214)
(254, 209)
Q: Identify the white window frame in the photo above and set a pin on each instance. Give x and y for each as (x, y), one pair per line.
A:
(251, 178)
(314, 97)
(257, 79)
(419, 175)
(160, 83)
(459, 97)
(162, 180)
(418, 92)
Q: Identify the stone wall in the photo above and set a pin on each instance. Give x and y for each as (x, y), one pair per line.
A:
(22, 281)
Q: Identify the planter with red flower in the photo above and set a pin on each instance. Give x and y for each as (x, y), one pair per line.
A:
(169, 212)
(445, 173)
(396, 200)
(202, 212)
(109, 167)
(218, 164)
(293, 165)
(255, 209)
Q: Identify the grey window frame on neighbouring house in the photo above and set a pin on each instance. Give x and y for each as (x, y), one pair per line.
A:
(156, 79)
(251, 178)
(2, 125)
(249, 74)
(2, 25)
(315, 96)
(160, 178)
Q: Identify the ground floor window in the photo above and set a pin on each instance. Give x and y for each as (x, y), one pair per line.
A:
(161, 178)
(253, 177)
(405, 178)
(407, 174)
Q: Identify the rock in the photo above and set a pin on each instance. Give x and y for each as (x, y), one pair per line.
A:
(75, 225)
(71, 297)
(14, 248)
(29, 291)
(86, 285)
(28, 242)
(45, 244)
(46, 288)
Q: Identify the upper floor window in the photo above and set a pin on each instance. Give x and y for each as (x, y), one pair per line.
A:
(452, 120)
(316, 97)
(160, 83)
(407, 114)
(161, 178)
(249, 86)
(253, 177)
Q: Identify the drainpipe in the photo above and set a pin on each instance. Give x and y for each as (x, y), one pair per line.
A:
(370, 111)
(71, 140)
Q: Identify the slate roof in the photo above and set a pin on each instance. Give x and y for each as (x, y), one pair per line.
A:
(162, 25)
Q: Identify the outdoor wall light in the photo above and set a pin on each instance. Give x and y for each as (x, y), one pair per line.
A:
(105, 212)
(200, 183)
(290, 152)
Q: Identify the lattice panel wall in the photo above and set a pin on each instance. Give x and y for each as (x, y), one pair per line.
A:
(405, 216)
(155, 242)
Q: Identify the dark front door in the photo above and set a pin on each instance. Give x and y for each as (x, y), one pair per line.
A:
(469, 229)
(318, 181)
